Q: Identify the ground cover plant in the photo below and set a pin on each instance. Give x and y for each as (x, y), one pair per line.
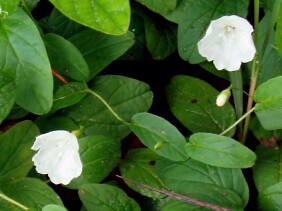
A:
(78, 136)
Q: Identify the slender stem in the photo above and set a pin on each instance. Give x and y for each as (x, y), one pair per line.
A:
(12, 201)
(107, 105)
(237, 122)
(179, 196)
(237, 87)
(59, 76)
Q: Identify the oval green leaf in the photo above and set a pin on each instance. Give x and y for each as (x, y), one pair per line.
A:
(193, 102)
(107, 16)
(106, 197)
(159, 135)
(219, 151)
(270, 198)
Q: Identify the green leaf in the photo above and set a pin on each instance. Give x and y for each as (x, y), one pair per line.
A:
(8, 7)
(159, 135)
(196, 19)
(53, 207)
(15, 144)
(258, 131)
(160, 38)
(31, 4)
(139, 165)
(219, 151)
(124, 95)
(111, 17)
(270, 198)
(269, 104)
(99, 155)
(24, 53)
(7, 93)
(32, 193)
(279, 31)
(61, 25)
(99, 49)
(106, 197)
(69, 94)
(65, 57)
(193, 102)
(159, 6)
(268, 169)
(222, 186)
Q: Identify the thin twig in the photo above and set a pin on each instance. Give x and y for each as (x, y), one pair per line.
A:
(180, 197)
(59, 76)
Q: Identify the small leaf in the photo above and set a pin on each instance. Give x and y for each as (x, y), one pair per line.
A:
(65, 57)
(270, 198)
(15, 144)
(111, 17)
(152, 129)
(219, 151)
(124, 95)
(222, 186)
(139, 165)
(99, 49)
(33, 193)
(269, 104)
(99, 155)
(23, 51)
(106, 197)
(268, 168)
(69, 94)
(193, 102)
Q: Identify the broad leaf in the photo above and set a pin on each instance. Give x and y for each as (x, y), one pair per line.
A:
(270, 198)
(8, 7)
(269, 104)
(268, 169)
(53, 207)
(99, 155)
(279, 32)
(139, 165)
(159, 135)
(193, 102)
(57, 122)
(219, 151)
(123, 95)
(15, 144)
(32, 193)
(111, 17)
(222, 186)
(99, 49)
(195, 20)
(68, 95)
(106, 197)
(160, 38)
(24, 52)
(159, 6)
(65, 57)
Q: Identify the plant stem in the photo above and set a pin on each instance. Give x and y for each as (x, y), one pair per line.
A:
(179, 196)
(107, 105)
(237, 87)
(237, 122)
(59, 76)
(12, 201)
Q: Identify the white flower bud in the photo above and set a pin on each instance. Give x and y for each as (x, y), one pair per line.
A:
(223, 97)
(228, 42)
(57, 156)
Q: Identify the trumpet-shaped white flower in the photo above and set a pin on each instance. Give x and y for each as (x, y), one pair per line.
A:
(223, 97)
(57, 156)
(228, 42)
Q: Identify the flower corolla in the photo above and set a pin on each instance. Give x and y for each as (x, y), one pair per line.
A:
(57, 156)
(228, 43)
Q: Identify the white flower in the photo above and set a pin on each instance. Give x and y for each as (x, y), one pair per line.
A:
(223, 97)
(57, 156)
(228, 42)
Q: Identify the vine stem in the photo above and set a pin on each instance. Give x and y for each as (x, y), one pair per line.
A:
(238, 121)
(8, 199)
(107, 105)
(179, 196)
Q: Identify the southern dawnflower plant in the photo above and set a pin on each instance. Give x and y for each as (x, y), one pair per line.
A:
(57, 156)
(228, 42)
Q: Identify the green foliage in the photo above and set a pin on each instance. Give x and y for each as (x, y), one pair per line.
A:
(192, 101)
(279, 31)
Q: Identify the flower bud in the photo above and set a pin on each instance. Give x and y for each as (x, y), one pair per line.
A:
(223, 97)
